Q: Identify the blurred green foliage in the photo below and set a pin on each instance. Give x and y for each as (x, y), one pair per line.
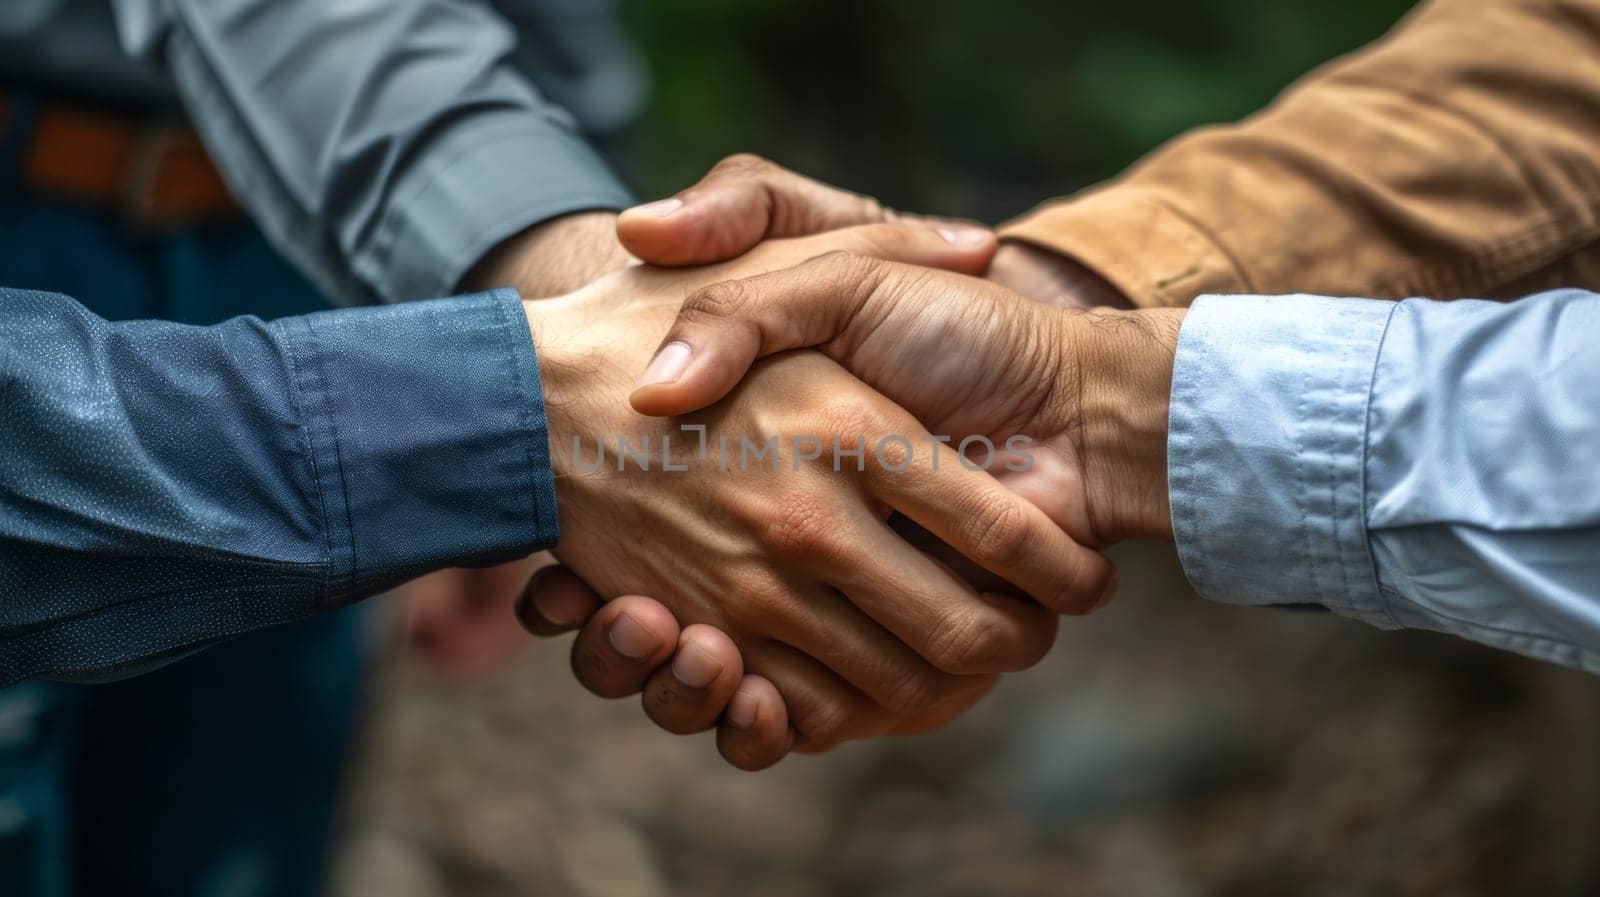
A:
(964, 106)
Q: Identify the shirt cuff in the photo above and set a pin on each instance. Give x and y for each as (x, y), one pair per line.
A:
(1266, 447)
(425, 426)
(482, 185)
(1135, 240)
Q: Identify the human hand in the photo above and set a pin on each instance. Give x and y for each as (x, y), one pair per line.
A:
(742, 201)
(745, 199)
(624, 647)
(633, 645)
(732, 538)
(1087, 391)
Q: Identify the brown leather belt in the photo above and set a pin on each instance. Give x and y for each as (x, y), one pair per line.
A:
(154, 176)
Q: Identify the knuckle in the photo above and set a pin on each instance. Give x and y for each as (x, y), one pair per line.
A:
(1081, 594)
(853, 268)
(892, 452)
(1067, 601)
(742, 163)
(874, 210)
(969, 691)
(830, 265)
(718, 301)
(1080, 584)
(823, 724)
(997, 535)
(842, 266)
(799, 526)
(965, 643)
(913, 691)
(853, 419)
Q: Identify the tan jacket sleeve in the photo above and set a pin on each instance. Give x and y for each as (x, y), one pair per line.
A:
(1460, 155)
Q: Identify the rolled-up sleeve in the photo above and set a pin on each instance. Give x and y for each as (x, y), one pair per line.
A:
(1455, 157)
(384, 145)
(165, 486)
(1414, 464)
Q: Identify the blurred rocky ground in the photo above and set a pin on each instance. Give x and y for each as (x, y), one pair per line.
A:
(1167, 747)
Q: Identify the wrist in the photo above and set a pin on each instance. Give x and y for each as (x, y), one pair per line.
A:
(562, 344)
(563, 359)
(1125, 364)
(590, 345)
(552, 257)
(1052, 278)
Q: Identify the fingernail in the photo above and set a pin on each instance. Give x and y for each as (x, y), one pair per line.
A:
(661, 208)
(668, 365)
(961, 235)
(553, 606)
(630, 638)
(695, 667)
(742, 709)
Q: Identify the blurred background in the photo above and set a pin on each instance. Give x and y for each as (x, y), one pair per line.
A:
(1168, 746)
(950, 106)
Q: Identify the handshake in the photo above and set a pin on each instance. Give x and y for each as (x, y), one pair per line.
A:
(819, 478)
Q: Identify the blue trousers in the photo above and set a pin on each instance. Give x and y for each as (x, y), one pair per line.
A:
(218, 775)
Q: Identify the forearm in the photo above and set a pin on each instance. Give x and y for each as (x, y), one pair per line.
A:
(168, 486)
(552, 258)
(393, 160)
(1453, 157)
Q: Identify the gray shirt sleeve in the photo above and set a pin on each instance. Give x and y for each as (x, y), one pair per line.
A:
(383, 145)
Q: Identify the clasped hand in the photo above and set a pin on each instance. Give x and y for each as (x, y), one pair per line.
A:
(811, 620)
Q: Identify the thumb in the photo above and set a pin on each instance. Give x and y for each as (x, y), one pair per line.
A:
(723, 328)
(743, 200)
(555, 601)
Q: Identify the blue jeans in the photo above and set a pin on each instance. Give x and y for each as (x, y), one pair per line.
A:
(217, 776)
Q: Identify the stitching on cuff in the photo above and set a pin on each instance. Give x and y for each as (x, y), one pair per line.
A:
(1366, 440)
(338, 461)
(1302, 481)
(297, 401)
(1348, 353)
(524, 421)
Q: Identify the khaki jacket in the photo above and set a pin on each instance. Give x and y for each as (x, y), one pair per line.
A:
(1458, 156)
